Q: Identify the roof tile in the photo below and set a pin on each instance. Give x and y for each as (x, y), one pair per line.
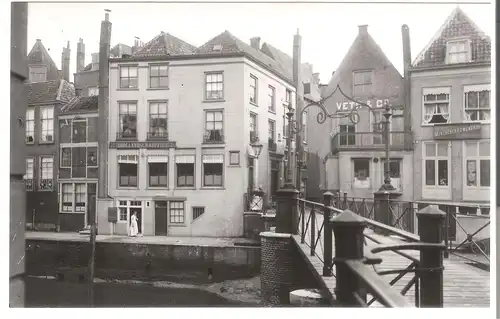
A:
(80, 104)
(458, 24)
(164, 44)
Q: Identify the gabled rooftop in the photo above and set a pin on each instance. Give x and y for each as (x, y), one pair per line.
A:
(226, 43)
(40, 55)
(79, 104)
(457, 25)
(50, 92)
(164, 44)
(363, 42)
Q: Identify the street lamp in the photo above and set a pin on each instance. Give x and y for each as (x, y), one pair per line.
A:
(387, 186)
(257, 149)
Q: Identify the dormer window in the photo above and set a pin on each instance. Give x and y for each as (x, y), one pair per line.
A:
(217, 47)
(38, 73)
(458, 51)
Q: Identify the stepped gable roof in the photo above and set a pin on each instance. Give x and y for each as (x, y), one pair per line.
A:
(50, 92)
(164, 44)
(365, 43)
(457, 25)
(40, 55)
(226, 43)
(80, 104)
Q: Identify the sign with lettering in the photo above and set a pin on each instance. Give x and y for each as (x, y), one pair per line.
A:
(347, 106)
(459, 131)
(137, 145)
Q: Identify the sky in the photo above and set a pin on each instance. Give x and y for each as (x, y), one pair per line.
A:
(327, 29)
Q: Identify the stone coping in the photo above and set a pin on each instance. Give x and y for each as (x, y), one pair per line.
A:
(275, 235)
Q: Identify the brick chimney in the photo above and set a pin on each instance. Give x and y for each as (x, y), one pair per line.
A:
(363, 28)
(80, 55)
(405, 32)
(137, 45)
(103, 104)
(65, 63)
(95, 61)
(255, 43)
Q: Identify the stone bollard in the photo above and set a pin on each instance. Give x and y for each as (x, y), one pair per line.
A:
(307, 298)
(276, 270)
(430, 220)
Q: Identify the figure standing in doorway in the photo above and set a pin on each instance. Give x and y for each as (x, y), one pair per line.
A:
(133, 225)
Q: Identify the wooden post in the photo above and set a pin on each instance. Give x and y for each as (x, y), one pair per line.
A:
(327, 234)
(348, 228)
(431, 259)
(313, 230)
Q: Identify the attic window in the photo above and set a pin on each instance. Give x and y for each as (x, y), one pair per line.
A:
(458, 51)
(217, 47)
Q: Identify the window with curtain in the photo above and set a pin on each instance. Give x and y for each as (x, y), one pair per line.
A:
(158, 119)
(213, 127)
(30, 126)
(477, 168)
(214, 86)
(47, 124)
(477, 103)
(436, 106)
(128, 120)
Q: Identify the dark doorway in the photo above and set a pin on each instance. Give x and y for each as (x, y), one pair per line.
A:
(161, 221)
(91, 200)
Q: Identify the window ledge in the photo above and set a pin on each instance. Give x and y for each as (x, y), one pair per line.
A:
(253, 103)
(213, 188)
(127, 89)
(476, 122)
(176, 225)
(158, 89)
(272, 111)
(30, 143)
(234, 165)
(127, 188)
(185, 188)
(79, 213)
(214, 101)
(223, 143)
(45, 142)
(163, 188)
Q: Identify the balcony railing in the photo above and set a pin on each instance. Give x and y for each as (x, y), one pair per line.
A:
(345, 141)
(126, 136)
(158, 136)
(213, 137)
(45, 185)
(29, 185)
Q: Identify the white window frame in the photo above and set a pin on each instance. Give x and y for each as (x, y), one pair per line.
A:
(158, 159)
(38, 74)
(121, 116)
(435, 91)
(30, 172)
(212, 159)
(120, 77)
(476, 88)
(42, 162)
(253, 90)
(47, 124)
(159, 76)
(127, 206)
(158, 114)
(212, 81)
(477, 157)
(467, 51)
(127, 159)
(353, 172)
(436, 191)
(185, 159)
(170, 222)
(272, 99)
(30, 125)
(61, 197)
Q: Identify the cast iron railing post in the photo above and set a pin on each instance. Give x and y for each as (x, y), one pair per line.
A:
(327, 234)
(303, 223)
(430, 220)
(313, 230)
(348, 229)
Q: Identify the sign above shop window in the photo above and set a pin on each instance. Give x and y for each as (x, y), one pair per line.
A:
(458, 131)
(137, 145)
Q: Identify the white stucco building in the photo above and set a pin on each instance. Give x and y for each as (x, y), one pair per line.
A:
(180, 124)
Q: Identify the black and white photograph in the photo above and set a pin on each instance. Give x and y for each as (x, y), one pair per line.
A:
(236, 155)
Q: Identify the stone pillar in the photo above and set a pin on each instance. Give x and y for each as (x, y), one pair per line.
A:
(276, 270)
(382, 213)
(431, 220)
(286, 212)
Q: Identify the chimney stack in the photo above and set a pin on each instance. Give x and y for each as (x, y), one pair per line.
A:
(363, 28)
(255, 43)
(103, 104)
(80, 56)
(65, 63)
(95, 61)
(137, 44)
(405, 32)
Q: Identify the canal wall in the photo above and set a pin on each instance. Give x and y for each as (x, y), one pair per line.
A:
(178, 263)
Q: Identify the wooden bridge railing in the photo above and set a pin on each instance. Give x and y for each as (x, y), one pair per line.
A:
(326, 229)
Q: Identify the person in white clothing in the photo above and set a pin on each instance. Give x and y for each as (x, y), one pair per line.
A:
(133, 225)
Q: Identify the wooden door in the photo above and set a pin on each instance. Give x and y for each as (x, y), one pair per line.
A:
(161, 220)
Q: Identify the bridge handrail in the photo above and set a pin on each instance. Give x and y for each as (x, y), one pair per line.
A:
(378, 288)
(392, 230)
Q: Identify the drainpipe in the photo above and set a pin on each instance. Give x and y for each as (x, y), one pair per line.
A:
(408, 139)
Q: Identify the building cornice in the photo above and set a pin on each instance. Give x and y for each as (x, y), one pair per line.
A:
(450, 66)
